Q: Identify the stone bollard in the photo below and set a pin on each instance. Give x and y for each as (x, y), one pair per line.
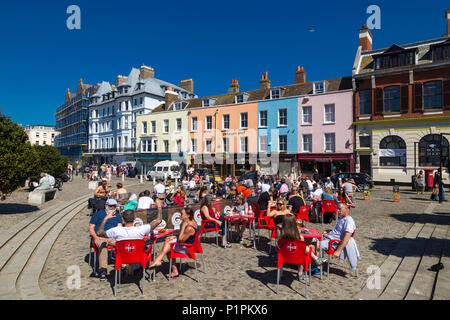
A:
(123, 177)
(154, 180)
(176, 182)
(141, 179)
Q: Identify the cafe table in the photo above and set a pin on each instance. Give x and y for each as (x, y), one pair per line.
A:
(230, 216)
(311, 233)
(154, 236)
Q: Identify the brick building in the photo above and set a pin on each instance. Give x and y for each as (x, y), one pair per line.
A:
(402, 105)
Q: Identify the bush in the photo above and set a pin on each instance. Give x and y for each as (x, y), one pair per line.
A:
(16, 155)
(47, 159)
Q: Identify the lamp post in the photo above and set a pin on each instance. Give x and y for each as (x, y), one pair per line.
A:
(442, 157)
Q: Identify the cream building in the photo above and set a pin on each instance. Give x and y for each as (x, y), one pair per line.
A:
(163, 133)
(41, 135)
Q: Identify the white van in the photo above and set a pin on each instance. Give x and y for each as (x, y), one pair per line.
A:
(165, 169)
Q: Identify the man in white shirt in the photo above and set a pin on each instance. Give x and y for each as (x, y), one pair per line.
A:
(329, 184)
(51, 181)
(145, 202)
(317, 193)
(310, 184)
(159, 188)
(129, 232)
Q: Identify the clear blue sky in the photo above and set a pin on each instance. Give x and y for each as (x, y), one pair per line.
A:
(210, 41)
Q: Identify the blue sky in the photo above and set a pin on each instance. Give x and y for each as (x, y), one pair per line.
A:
(209, 41)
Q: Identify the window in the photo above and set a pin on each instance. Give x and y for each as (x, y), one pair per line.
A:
(37, 134)
(441, 53)
(392, 151)
(144, 127)
(178, 145)
(244, 144)
(282, 143)
(282, 117)
(307, 115)
(329, 113)
(37, 143)
(392, 99)
(226, 121)
(166, 145)
(208, 145)
(179, 124)
(329, 142)
(153, 126)
(44, 143)
(53, 135)
(206, 103)
(208, 122)
(432, 94)
(430, 150)
(225, 145)
(395, 60)
(45, 134)
(141, 100)
(193, 145)
(364, 141)
(244, 120)
(155, 145)
(178, 105)
(263, 119)
(365, 102)
(263, 143)
(166, 126)
(239, 98)
(307, 143)
(319, 87)
(194, 124)
(275, 93)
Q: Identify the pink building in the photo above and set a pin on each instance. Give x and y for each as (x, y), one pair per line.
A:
(325, 128)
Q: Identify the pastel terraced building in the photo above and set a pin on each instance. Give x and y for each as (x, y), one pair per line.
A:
(402, 107)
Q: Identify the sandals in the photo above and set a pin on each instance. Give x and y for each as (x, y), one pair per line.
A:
(228, 245)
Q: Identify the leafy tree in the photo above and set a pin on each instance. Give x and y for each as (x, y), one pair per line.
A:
(48, 160)
(16, 155)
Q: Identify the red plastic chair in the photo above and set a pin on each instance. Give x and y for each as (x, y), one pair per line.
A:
(129, 252)
(264, 223)
(303, 213)
(329, 206)
(293, 252)
(330, 251)
(93, 247)
(192, 249)
(214, 228)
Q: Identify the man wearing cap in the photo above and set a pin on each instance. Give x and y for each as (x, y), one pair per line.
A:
(329, 184)
(102, 221)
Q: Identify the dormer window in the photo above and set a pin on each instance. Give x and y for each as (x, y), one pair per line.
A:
(275, 93)
(393, 57)
(126, 89)
(206, 103)
(441, 51)
(319, 87)
(241, 98)
(179, 105)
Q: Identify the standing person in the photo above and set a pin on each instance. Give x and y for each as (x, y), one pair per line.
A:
(102, 221)
(350, 188)
(316, 176)
(241, 207)
(284, 189)
(420, 182)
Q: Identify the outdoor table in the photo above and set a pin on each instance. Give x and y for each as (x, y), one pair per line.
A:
(154, 238)
(312, 233)
(233, 216)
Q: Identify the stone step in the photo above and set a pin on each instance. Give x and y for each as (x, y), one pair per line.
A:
(442, 289)
(11, 271)
(422, 286)
(392, 262)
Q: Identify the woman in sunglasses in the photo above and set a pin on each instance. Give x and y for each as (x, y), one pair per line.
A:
(343, 197)
(279, 213)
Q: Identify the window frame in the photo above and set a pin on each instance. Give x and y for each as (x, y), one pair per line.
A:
(279, 143)
(329, 134)
(246, 120)
(310, 142)
(333, 121)
(261, 118)
(303, 116)
(279, 117)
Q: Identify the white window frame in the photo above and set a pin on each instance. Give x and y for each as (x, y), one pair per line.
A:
(279, 143)
(263, 138)
(259, 122)
(178, 145)
(325, 113)
(303, 116)
(144, 127)
(205, 103)
(194, 120)
(225, 145)
(206, 123)
(279, 124)
(223, 122)
(278, 90)
(153, 126)
(166, 146)
(242, 113)
(325, 141)
(166, 121)
(303, 143)
(206, 145)
(193, 145)
(243, 144)
(180, 123)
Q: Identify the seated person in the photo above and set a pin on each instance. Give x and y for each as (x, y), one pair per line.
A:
(131, 203)
(207, 213)
(243, 189)
(121, 192)
(296, 200)
(189, 229)
(102, 190)
(241, 206)
(221, 192)
(289, 230)
(329, 195)
(98, 224)
(145, 202)
(44, 182)
(51, 181)
(267, 199)
(343, 231)
(280, 213)
(180, 196)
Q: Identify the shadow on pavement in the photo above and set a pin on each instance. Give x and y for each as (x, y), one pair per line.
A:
(14, 208)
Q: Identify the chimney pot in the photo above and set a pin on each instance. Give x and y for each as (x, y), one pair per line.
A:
(264, 83)
(300, 75)
(234, 87)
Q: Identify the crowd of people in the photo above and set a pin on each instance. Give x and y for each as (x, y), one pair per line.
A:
(96, 173)
(280, 198)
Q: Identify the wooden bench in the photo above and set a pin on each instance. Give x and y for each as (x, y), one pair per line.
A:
(41, 196)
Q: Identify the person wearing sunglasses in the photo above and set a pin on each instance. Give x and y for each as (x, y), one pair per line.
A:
(279, 213)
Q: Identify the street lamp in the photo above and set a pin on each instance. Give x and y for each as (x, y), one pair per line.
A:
(441, 193)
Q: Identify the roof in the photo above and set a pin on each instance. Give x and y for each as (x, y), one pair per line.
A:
(104, 88)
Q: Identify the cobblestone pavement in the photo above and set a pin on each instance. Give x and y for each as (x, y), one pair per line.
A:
(240, 272)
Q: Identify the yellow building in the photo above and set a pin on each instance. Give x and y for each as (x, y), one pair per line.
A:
(41, 135)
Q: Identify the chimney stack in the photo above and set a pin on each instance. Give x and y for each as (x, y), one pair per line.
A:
(80, 86)
(365, 39)
(300, 75)
(171, 96)
(187, 84)
(447, 17)
(67, 99)
(234, 87)
(147, 72)
(264, 83)
(121, 79)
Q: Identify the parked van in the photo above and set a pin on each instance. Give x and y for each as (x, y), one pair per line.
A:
(165, 169)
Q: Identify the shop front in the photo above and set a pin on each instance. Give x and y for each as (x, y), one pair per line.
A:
(326, 164)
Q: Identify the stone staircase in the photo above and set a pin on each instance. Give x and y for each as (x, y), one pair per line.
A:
(405, 274)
